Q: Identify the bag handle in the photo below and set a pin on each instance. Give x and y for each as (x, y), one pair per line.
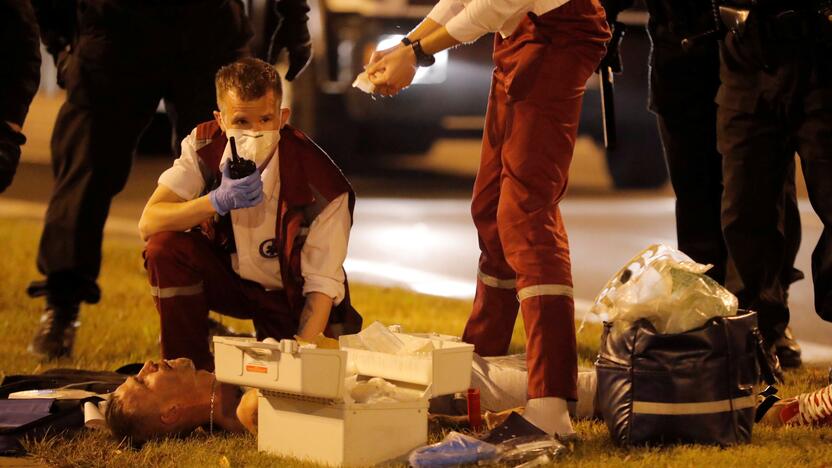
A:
(769, 399)
(769, 395)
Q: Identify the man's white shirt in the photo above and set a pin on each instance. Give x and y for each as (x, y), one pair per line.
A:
(467, 20)
(323, 253)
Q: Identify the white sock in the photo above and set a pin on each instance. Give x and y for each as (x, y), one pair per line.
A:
(550, 415)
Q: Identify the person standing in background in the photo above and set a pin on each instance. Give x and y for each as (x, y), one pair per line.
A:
(683, 89)
(775, 100)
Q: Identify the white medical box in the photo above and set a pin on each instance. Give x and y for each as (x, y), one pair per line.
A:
(302, 408)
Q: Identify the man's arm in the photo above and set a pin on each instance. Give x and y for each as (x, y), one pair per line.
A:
(175, 204)
(167, 211)
(421, 31)
(480, 17)
(322, 266)
(247, 410)
(315, 316)
(443, 11)
(395, 70)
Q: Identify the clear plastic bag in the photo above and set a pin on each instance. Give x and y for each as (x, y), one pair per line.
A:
(454, 449)
(529, 451)
(666, 287)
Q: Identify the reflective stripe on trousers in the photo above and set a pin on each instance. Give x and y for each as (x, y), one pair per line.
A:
(174, 291)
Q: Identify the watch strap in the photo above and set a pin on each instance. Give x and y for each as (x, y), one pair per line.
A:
(422, 59)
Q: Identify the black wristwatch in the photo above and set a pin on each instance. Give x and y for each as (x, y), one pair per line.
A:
(422, 59)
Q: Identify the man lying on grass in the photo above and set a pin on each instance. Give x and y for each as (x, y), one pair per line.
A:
(172, 398)
(267, 243)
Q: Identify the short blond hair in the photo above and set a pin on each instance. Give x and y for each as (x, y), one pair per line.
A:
(249, 78)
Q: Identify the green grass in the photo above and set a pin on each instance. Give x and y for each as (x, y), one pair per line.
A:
(124, 328)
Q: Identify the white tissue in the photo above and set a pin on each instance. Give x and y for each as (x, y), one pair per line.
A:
(362, 82)
(94, 415)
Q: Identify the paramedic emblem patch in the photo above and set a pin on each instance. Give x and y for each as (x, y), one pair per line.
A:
(268, 248)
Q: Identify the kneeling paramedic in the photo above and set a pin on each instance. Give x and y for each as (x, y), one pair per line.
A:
(267, 246)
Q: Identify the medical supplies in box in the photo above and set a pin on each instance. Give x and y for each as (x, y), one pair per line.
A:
(280, 367)
(349, 406)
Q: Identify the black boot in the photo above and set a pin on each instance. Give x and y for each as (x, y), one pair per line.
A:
(56, 333)
(788, 351)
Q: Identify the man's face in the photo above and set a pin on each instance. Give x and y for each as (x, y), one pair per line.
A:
(261, 114)
(159, 385)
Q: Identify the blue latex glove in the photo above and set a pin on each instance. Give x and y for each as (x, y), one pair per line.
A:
(455, 449)
(233, 194)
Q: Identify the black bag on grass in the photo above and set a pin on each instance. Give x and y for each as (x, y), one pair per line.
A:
(37, 417)
(692, 387)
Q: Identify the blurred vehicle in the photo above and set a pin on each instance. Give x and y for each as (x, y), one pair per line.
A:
(450, 95)
(447, 100)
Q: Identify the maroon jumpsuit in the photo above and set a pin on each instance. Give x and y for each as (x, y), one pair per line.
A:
(531, 125)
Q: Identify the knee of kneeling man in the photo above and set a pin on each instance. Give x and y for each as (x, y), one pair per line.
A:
(164, 246)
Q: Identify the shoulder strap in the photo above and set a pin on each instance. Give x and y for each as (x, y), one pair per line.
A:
(308, 172)
(210, 144)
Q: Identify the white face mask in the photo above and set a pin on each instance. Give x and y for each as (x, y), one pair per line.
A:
(257, 146)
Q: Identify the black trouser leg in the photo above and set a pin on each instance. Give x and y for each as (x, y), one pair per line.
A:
(756, 157)
(190, 100)
(695, 166)
(93, 142)
(791, 229)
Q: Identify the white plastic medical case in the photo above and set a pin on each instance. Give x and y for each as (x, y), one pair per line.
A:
(302, 409)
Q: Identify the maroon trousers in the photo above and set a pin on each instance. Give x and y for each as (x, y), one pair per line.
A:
(531, 125)
(189, 276)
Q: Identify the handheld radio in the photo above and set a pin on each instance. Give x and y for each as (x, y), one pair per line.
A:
(239, 167)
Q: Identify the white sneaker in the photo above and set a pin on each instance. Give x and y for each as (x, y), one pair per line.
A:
(806, 409)
(550, 415)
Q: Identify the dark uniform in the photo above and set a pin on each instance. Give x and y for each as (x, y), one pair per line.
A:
(289, 20)
(20, 56)
(125, 56)
(683, 86)
(775, 100)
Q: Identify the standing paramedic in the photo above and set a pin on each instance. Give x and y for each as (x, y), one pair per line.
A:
(544, 52)
(268, 246)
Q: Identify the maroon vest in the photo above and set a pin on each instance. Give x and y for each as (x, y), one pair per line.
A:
(309, 180)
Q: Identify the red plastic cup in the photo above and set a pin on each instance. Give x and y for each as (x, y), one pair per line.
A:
(474, 416)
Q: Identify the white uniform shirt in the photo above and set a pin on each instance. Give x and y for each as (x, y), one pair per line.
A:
(323, 253)
(467, 20)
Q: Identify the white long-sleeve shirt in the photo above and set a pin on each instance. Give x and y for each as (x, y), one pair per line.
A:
(467, 20)
(323, 253)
